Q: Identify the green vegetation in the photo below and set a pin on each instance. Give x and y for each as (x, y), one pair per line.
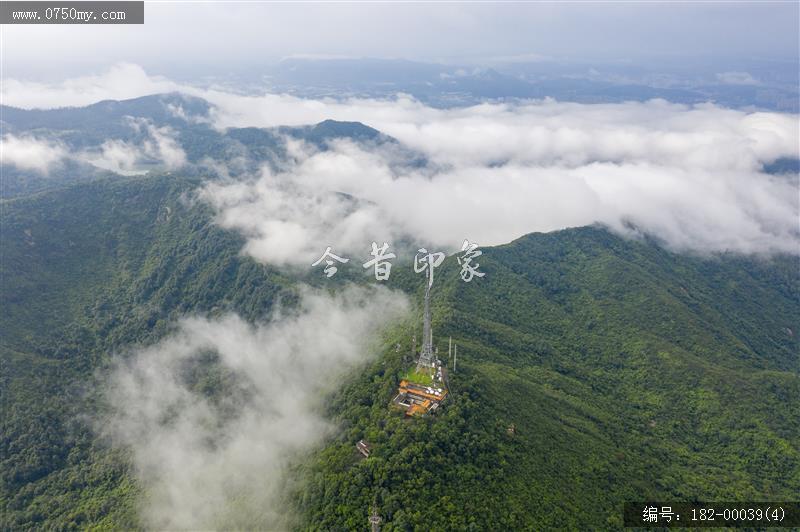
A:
(629, 371)
(423, 377)
(88, 271)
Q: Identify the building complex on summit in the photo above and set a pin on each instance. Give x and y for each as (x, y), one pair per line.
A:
(424, 389)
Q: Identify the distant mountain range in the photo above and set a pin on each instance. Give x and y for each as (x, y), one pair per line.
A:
(88, 129)
(445, 85)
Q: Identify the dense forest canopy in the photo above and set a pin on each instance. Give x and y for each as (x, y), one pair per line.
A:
(596, 365)
(628, 371)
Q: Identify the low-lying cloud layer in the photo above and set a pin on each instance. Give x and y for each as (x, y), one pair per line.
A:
(689, 175)
(30, 153)
(209, 461)
(157, 147)
(120, 82)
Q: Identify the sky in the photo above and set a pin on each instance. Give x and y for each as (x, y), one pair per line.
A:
(190, 38)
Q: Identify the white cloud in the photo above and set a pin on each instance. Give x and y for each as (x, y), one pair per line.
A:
(292, 217)
(122, 81)
(30, 153)
(737, 78)
(162, 146)
(209, 461)
(687, 174)
(159, 146)
(117, 156)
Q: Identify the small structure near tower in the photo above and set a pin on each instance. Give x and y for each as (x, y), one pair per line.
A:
(363, 448)
(417, 399)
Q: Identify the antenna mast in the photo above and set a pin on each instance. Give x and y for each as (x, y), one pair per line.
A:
(426, 356)
(449, 350)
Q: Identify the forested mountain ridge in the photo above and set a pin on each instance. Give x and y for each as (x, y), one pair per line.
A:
(89, 270)
(94, 141)
(100, 121)
(628, 371)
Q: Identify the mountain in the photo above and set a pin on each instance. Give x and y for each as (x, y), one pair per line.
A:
(92, 125)
(328, 130)
(626, 371)
(509, 78)
(141, 125)
(88, 270)
(96, 123)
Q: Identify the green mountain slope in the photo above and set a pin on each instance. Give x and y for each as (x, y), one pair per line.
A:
(83, 131)
(87, 271)
(629, 372)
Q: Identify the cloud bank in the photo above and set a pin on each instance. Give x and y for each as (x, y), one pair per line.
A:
(689, 175)
(156, 147)
(217, 460)
(120, 82)
(30, 153)
(737, 78)
(159, 145)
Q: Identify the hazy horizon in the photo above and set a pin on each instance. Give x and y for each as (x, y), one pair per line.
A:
(191, 40)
